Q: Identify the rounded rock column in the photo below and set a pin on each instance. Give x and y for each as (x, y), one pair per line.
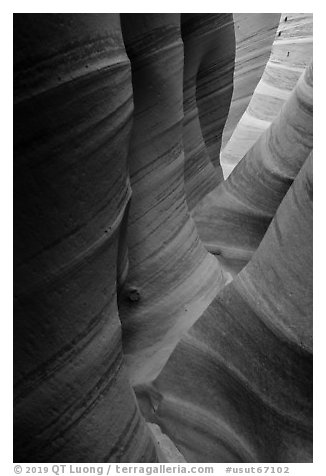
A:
(171, 278)
(73, 112)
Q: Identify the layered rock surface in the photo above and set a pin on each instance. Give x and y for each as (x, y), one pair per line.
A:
(291, 54)
(118, 126)
(231, 381)
(209, 47)
(234, 217)
(171, 278)
(255, 33)
(73, 116)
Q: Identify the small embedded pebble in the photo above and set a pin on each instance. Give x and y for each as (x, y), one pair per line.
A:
(134, 295)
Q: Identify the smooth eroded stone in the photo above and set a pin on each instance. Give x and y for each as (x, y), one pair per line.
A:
(291, 54)
(233, 218)
(171, 278)
(73, 114)
(209, 50)
(238, 387)
(254, 33)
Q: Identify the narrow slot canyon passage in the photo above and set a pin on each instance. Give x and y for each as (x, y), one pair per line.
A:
(163, 230)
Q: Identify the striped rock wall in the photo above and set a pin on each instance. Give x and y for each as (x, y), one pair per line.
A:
(115, 143)
(171, 278)
(209, 48)
(238, 387)
(73, 109)
(291, 54)
(233, 218)
(255, 34)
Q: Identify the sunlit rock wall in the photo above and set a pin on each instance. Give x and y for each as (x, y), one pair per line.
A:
(291, 54)
(255, 34)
